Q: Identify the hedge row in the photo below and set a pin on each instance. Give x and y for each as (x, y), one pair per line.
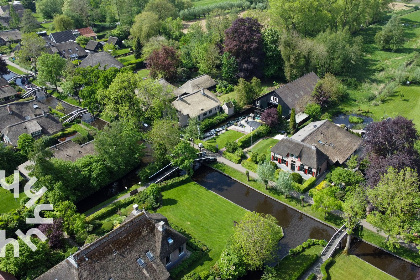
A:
(312, 277)
(260, 132)
(213, 121)
(306, 186)
(210, 147)
(325, 267)
(305, 245)
(111, 209)
(202, 11)
(232, 157)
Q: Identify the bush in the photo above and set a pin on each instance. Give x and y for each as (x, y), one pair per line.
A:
(309, 184)
(305, 245)
(325, 267)
(210, 147)
(312, 277)
(249, 165)
(296, 177)
(232, 157)
(355, 119)
(231, 146)
(213, 121)
(254, 157)
(260, 132)
(107, 226)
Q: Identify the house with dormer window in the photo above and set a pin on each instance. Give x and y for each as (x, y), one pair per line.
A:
(143, 247)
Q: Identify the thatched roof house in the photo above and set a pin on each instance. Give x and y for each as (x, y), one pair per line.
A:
(196, 84)
(103, 59)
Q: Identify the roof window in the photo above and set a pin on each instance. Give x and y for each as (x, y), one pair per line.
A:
(150, 256)
(141, 262)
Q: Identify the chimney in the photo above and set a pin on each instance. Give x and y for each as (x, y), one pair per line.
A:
(9, 110)
(136, 207)
(161, 226)
(202, 91)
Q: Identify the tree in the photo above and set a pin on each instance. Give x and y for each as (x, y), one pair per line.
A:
(163, 63)
(25, 143)
(246, 92)
(54, 233)
(183, 156)
(193, 129)
(244, 42)
(230, 265)
(270, 117)
(3, 67)
(49, 8)
(146, 25)
(164, 136)
(391, 37)
(273, 62)
(354, 209)
(50, 68)
(280, 113)
(118, 145)
(347, 177)
(63, 22)
(265, 172)
(314, 111)
(78, 11)
(162, 8)
(110, 48)
(32, 46)
(137, 48)
(284, 183)
(325, 200)
(82, 41)
(229, 68)
(28, 4)
(256, 239)
(292, 121)
(396, 201)
(14, 21)
(29, 22)
(329, 91)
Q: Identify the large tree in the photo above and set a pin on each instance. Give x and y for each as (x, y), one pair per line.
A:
(273, 62)
(265, 172)
(270, 117)
(396, 203)
(329, 91)
(354, 209)
(146, 25)
(50, 69)
(32, 46)
(183, 156)
(391, 37)
(325, 200)
(284, 183)
(49, 8)
(162, 8)
(246, 92)
(244, 42)
(63, 22)
(29, 22)
(256, 238)
(163, 63)
(164, 136)
(78, 11)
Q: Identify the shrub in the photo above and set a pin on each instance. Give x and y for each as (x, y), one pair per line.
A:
(260, 132)
(231, 146)
(107, 226)
(249, 165)
(254, 157)
(312, 277)
(325, 267)
(305, 245)
(307, 185)
(296, 177)
(210, 147)
(232, 157)
(355, 119)
(213, 121)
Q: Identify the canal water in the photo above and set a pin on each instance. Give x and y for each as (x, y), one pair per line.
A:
(297, 227)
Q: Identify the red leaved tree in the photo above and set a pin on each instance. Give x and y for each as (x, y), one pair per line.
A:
(163, 63)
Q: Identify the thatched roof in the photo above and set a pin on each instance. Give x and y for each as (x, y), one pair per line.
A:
(20, 111)
(196, 103)
(5, 89)
(337, 143)
(196, 84)
(62, 36)
(308, 154)
(116, 255)
(69, 49)
(103, 59)
(11, 35)
(92, 45)
(72, 151)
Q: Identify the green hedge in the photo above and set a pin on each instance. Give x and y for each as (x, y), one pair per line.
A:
(305, 245)
(212, 121)
(325, 267)
(232, 157)
(312, 277)
(111, 209)
(249, 165)
(260, 132)
(307, 185)
(210, 147)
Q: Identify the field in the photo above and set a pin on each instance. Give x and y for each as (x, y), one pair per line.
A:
(378, 68)
(204, 215)
(222, 139)
(7, 201)
(206, 2)
(290, 265)
(351, 267)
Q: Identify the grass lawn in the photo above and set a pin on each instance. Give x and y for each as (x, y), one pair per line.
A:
(206, 2)
(351, 267)
(264, 146)
(144, 73)
(291, 266)
(66, 98)
(15, 70)
(8, 202)
(405, 102)
(122, 51)
(128, 59)
(204, 215)
(222, 139)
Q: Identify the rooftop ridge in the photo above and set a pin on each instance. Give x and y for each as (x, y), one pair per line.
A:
(35, 118)
(299, 142)
(19, 102)
(322, 122)
(294, 80)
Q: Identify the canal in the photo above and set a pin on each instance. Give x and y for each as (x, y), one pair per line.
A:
(297, 226)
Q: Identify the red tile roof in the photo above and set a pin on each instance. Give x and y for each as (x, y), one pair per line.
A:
(87, 32)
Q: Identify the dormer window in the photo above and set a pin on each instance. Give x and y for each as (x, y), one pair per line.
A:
(170, 240)
(141, 262)
(150, 256)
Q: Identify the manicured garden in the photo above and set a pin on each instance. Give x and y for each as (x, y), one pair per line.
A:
(264, 146)
(222, 139)
(8, 202)
(351, 267)
(203, 215)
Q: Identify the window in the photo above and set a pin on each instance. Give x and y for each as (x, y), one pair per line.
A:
(204, 114)
(170, 240)
(181, 250)
(168, 259)
(211, 110)
(274, 99)
(141, 262)
(150, 256)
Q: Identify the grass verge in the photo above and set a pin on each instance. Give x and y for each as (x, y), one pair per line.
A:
(15, 70)
(223, 138)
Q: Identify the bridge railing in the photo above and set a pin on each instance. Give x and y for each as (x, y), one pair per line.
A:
(337, 233)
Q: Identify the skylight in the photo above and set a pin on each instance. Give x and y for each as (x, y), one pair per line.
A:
(170, 240)
(141, 262)
(150, 256)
